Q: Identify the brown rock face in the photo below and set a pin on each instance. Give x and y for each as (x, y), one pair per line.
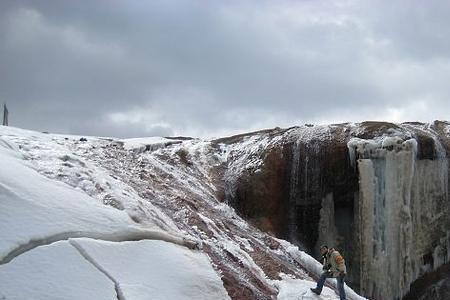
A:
(260, 196)
(285, 195)
(308, 191)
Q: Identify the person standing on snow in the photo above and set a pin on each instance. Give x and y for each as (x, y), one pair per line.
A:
(334, 267)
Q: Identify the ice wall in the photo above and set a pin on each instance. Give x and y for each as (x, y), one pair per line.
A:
(402, 214)
(327, 224)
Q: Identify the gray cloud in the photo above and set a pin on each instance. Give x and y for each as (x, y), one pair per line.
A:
(135, 68)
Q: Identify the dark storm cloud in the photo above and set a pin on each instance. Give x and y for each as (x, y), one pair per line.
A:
(130, 68)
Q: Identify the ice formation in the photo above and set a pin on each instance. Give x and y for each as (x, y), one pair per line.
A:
(400, 212)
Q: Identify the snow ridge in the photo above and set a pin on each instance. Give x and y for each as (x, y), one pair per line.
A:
(122, 236)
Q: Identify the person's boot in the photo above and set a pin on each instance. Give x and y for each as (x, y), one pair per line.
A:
(315, 291)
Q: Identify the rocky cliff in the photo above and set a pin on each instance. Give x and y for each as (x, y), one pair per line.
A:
(377, 191)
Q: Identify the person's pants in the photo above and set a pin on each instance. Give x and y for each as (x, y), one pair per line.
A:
(340, 283)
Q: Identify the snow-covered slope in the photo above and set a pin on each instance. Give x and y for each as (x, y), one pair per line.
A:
(109, 217)
(53, 240)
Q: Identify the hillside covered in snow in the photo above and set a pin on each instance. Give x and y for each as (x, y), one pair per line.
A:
(104, 218)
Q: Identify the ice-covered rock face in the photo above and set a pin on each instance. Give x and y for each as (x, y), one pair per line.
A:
(378, 191)
(398, 194)
(403, 210)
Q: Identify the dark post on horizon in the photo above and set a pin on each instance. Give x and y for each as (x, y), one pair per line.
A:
(5, 115)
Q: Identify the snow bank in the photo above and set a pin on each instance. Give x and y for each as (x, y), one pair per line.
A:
(53, 272)
(66, 159)
(90, 269)
(38, 211)
(33, 207)
(38, 216)
(156, 270)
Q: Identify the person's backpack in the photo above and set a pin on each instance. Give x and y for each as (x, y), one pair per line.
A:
(340, 259)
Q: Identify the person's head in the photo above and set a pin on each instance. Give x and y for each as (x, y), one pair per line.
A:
(323, 249)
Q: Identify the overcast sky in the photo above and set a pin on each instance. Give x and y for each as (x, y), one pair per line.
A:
(212, 68)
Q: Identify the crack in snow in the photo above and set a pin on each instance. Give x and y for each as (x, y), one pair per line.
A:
(85, 255)
(124, 236)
